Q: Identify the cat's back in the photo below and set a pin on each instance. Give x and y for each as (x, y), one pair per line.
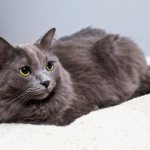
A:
(75, 49)
(84, 38)
(76, 52)
(85, 33)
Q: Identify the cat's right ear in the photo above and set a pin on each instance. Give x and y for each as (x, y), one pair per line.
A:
(46, 41)
(4, 44)
(4, 50)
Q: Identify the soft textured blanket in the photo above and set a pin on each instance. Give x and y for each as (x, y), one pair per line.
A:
(122, 127)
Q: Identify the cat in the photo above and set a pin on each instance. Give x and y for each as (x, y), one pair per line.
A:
(55, 82)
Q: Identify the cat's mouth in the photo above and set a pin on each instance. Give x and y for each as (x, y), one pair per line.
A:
(42, 95)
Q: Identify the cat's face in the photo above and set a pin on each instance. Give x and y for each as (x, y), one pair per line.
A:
(28, 71)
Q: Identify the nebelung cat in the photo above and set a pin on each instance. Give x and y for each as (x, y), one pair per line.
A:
(50, 82)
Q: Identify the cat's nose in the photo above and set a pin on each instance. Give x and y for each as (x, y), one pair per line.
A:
(45, 83)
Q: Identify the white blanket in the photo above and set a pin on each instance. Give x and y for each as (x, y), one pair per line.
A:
(123, 127)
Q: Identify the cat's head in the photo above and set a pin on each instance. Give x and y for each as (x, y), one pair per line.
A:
(29, 71)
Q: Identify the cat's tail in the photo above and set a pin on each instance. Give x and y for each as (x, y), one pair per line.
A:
(144, 86)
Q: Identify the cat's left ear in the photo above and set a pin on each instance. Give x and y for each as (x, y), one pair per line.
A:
(46, 41)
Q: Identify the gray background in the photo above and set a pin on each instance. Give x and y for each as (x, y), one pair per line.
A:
(26, 20)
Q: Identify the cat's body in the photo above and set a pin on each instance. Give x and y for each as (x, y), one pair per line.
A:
(93, 70)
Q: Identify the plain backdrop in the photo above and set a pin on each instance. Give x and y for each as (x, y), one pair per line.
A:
(23, 21)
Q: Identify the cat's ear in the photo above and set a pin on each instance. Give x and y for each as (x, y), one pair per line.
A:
(5, 50)
(46, 40)
(4, 45)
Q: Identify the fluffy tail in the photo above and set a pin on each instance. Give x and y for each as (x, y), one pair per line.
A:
(145, 85)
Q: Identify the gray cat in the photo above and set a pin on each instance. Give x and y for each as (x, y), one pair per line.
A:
(56, 82)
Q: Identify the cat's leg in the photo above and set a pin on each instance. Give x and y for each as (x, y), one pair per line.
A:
(105, 48)
(106, 43)
(104, 52)
(144, 87)
(107, 52)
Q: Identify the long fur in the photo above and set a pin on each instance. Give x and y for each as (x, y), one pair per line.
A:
(93, 70)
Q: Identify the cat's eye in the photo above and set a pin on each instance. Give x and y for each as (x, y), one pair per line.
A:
(25, 71)
(49, 65)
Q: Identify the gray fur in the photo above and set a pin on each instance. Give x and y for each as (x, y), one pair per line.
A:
(92, 70)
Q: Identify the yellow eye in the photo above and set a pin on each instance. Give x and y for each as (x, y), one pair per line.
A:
(25, 71)
(49, 65)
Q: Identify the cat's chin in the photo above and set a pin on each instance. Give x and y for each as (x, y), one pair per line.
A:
(42, 96)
